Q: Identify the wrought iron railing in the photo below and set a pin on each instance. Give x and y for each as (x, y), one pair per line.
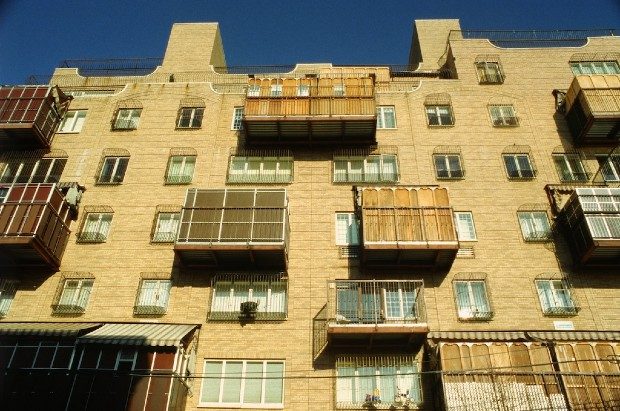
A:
(532, 38)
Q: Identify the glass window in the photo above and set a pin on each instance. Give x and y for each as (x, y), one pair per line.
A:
(166, 227)
(347, 229)
(448, 166)
(518, 166)
(237, 123)
(472, 300)
(96, 227)
(570, 168)
(609, 167)
(4, 193)
(45, 170)
(464, 221)
(230, 292)
(503, 116)
(386, 117)
(8, 289)
(74, 295)
(113, 170)
(439, 115)
(268, 170)
(374, 168)
(534, 225)
(555, 297)
(190, 117)
(152, 296)
(339, 90)
(489, 72)
(595, 67)
(127, 119)
(276, 90)
(243, 383)
(303, 90)
(73, 121)
(180, 169)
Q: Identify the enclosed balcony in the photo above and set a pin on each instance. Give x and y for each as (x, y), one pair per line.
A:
(389, 312)
(592, 221)
(407, 226)
(234, 227)
(34, 226)
(593, 109)
(311, 111)
(30, 115)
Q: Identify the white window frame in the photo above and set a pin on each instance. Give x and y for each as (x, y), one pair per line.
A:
(595, 67)
(127, 119)
(531, 229)
(470, 313)
(610, 166)
(166, 227)
(195, 115)
(117, 176)
(465, 230)
(453, 174)
(96, 227)
(433, 111)
(521, 172)
(8, 289)
(237, 119)
(32, 176)
(382, 116)
(123, 357)
(253, 169)
(274, 302)
(242, 384)
(339, 90)
(4, 193)
(556, 307)
(79, 300)
(186, 170)
(303, 90)
(155, 299)
(275, 90)
(253, 90)
(489, 72)
(351, 174)
(73, 121)
(565, 164)
(352, 234)
(503, 115)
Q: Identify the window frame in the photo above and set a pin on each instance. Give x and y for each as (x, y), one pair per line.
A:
(74, 125)
(102, 232)
(447, 165)
(610, 163)
(165, 236)
(184, 177)
(520, 172)
(163, 287)
(526, 218)
(564, 163)
(32, 176)
(4, 193)
(365, 165)
(243, 378)
(610, 67)
(116, 177)
(8, 290)
(478, 314)
(237, 118)
(471, 231)
(489, 72)
(196, 115)
(79, 302)
(130, 117)
(507, 115)
(556, 309)
(382, 114)
(352, 220)
(437, 115)
(260, 175)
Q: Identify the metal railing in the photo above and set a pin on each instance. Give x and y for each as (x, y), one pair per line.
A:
(407, 224)
(532, 38)
(137, 66)
(310, 106)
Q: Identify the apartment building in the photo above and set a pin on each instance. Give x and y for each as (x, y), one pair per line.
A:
(183, 235)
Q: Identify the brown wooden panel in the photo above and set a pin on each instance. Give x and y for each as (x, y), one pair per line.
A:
(15, 226)
(108, 358)
(137, 394)
(425, 197)
(520, 359)
(401, 197)
(480, 358)
(6, 213)
(370, 197)
(450, 357)
(158, 393)
(164, 361)
(499, 355)
(466, 357)
(431, 224)
(441, 197)
(386, 197)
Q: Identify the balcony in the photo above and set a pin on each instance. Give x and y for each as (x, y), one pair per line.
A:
(593, 109)
(234, 228)
(34, 226)
(591, 218)
(30, 115)
(407, 226)
(390, 312)
(311, 111)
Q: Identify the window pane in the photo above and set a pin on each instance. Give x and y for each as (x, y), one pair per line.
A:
(345, 384)
(525, 167)
(253, 382)
(232, 383)
(211, 385)
(455, 166)
(511, 166)
(441, 167)
(274, 382)
(480, 297)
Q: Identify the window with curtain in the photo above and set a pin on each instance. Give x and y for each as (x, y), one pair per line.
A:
(243, 383)
(127, 119)
(180, 169)
(555, 297)
(152, 296)
(609, 166)
(74, 295)
(229, 293)
(113, 170)
(439, 115)
(534, 225)
(519, 166)
(375, 168)
(472, 300)
(166, 227)
(96, 227)
(570, 168)
(257, 169)
(448, 166)
(503, 116)
(489, 72)
(347, 229)
(73, 121)
(386, 117)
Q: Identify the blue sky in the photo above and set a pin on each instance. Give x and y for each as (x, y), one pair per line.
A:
(36, 35)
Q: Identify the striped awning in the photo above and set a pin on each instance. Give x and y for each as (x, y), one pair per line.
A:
(45, 329)
(575, 335)
(153, 335)
(478, 335)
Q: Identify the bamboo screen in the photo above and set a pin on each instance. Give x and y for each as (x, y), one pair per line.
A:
(407, 215)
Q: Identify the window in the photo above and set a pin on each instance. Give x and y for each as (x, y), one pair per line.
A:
(152, 297)
(503, 116)
(465, 229)
(4, 193)
(518, 166)
(73, 121)
(113, 170)
(237, 123)
(489, 72)
(243, 383)
(190, 117)
(230, 291)
(555, 297)
(180, 169)
(347, 229)
(386, 117)
(570, 168)
(260, 169)
(253, 90)
(595, 67)
(44, 170)
(96, 228)
(74, 296)
(439, 115)
(339, 90)
(367, 381)
(8, 289)
(166, 227)
(127, 119)
(374, 168)
(534, 225)
(609, 167)
(276, 90)
(448, 166)
(303, 90)
(472, 301)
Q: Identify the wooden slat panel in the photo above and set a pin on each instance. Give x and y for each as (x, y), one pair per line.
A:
(441, 197)
(451, 358)
(425, 197)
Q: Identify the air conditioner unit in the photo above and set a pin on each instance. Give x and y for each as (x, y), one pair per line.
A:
(248, 309)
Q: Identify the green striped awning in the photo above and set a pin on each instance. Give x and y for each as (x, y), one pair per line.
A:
(45, 329)
(153, 335)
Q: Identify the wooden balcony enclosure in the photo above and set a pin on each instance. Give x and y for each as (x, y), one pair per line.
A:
(30, 115)
(34, 227)
(234, 228)
(407, 226)
(311, 111)
(591, 219)
(593, 109)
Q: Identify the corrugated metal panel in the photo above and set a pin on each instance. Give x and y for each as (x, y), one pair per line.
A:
(45, 329)
(576, 335)
(478, 335)
(154, 335)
